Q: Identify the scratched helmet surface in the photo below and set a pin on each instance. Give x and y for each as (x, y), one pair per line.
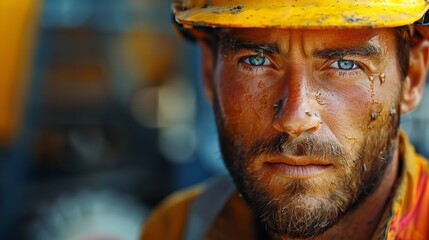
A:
(299, 13)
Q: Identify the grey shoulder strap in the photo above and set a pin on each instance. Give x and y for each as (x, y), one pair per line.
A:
(207, 206)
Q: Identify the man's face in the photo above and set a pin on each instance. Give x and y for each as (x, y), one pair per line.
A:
(307, 120)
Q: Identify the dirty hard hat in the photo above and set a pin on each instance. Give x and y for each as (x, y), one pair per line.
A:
(300, 13)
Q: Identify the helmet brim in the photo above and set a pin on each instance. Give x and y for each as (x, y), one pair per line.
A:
(311, 16)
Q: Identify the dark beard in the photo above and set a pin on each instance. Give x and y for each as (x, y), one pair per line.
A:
(288, 213)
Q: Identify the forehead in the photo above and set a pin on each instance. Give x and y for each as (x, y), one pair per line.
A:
(284, 39)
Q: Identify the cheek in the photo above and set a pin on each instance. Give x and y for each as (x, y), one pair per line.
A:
(247, 104)
(352, 112)
(345, 108)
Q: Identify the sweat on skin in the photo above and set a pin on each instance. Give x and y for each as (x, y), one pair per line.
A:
(306, 132)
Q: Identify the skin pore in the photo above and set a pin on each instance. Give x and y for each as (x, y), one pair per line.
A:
(308, 135)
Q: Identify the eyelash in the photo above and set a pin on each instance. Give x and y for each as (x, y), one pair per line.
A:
(250, 68)
(344, 73)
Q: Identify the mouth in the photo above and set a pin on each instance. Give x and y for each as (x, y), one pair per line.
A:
(297, 167)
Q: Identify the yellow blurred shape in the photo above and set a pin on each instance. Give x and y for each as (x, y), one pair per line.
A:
(18, 25)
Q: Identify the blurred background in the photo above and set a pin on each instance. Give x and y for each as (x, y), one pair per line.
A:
(101, 116)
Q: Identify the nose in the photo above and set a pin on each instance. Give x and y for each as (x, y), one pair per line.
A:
(296, 113)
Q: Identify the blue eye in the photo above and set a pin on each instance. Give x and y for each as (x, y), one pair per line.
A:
(257, 60)
(344, 64)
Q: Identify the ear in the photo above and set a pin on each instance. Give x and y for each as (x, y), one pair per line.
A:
(207, 60)
(414, 83)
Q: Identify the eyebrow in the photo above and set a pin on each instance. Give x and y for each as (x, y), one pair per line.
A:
(229, 43)
(367, 50)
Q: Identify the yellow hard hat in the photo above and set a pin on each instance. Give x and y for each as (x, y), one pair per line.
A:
(299, 13)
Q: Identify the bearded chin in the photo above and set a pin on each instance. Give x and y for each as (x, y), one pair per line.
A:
(291, 209)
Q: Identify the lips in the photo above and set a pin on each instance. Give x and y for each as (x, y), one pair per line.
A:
(297, 167)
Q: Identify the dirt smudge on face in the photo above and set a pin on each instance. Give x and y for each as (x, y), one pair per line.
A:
(371, 80)
(382, 78)
(392, 111)
(350, 138)
(318, 96)
(375, 109)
